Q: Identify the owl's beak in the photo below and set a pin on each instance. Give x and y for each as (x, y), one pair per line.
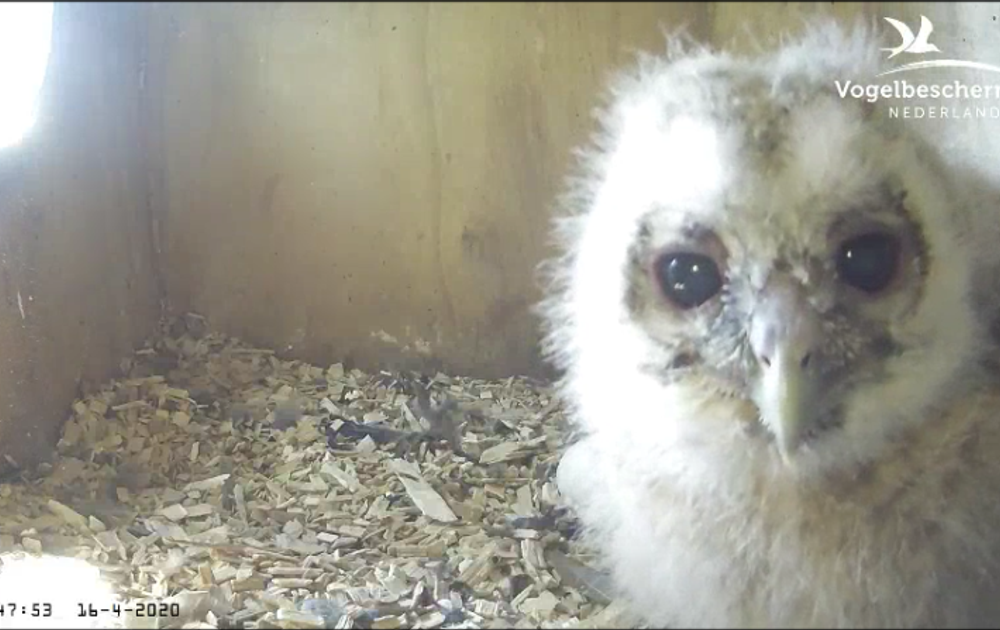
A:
(784, 334)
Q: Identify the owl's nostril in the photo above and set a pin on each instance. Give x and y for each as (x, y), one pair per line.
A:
(765, 360)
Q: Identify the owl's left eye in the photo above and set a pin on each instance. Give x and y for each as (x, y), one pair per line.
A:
(869, 262)
(688, 279)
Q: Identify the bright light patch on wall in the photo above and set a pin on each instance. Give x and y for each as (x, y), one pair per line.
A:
(25, 41)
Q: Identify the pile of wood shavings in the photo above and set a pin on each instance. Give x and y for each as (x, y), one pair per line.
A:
(262, 493)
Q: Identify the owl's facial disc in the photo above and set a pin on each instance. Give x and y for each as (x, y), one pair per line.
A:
(797, 345)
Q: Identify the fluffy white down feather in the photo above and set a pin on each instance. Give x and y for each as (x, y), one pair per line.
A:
(894, 522)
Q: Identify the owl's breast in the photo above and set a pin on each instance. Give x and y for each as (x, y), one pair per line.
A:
(909, 540)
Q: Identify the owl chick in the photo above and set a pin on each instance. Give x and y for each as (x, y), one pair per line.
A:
(772, 311)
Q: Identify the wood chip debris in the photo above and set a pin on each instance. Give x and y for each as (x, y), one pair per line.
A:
(256, 492)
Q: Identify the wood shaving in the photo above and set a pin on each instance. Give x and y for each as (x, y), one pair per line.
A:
(256, 492)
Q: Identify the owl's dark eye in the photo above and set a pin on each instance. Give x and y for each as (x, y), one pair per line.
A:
(687, 279)
(869, 262)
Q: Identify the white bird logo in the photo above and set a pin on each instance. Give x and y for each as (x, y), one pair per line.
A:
(911, 44)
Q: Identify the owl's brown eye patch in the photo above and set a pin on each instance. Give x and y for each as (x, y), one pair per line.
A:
(687, 279)
(869, 262)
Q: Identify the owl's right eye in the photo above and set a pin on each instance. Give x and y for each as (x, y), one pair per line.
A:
(687, 279)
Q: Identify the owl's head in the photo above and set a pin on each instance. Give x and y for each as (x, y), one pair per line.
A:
(752, 258)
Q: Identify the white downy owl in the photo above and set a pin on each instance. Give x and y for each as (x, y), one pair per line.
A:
(773, 310)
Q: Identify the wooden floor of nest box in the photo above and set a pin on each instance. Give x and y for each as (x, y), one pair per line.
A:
(254, 492)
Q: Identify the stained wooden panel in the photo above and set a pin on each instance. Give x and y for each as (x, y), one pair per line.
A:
(369, 180)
